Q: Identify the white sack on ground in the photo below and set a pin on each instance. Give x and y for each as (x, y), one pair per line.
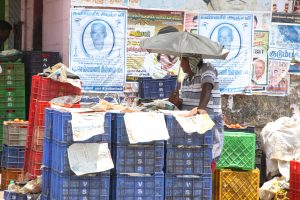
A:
(87, 158)
(281, 143)
(145, 127)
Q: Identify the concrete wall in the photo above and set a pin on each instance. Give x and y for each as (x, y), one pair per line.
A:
(27, 19)
(56, 19)
(259, 110)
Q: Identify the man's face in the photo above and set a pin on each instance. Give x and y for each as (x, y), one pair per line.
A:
(185, 65)
(225, 38)
(259, 69)
(228, 5)
(98, 34)
(4, 34)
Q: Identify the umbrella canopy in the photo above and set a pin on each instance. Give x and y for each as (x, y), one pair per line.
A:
(184, 44)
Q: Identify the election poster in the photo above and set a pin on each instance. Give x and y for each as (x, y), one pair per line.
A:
(97, 48)
(191, 23)
(260, 58)
(143, 24)
(286, 11)
(234, 32)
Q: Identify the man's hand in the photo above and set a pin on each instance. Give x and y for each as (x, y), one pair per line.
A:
(197, 110)
(174, 98)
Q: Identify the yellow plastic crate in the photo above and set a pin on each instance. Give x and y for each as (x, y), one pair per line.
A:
(236, 185)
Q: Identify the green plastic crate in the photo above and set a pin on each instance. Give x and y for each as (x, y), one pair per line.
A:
(12, 114)
(238, 151)
(12, 92)
(12, 69)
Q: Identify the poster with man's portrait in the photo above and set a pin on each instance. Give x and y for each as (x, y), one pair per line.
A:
(234, 32)
(238, 5)
(97, 48)
(285, 36)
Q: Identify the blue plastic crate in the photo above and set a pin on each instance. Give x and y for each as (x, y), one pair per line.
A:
(47, 152)
(46, 181)
(62, 131)
(79, 187)
(156, 88)
(146, 159)
(13, 157)
(14, 196)
(188, 187)
(188, 161)
(138, 187)
(119, 135)
(179, 137)
(59, 158)
(48, 131)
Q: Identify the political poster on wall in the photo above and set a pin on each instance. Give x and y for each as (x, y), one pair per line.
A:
(97, 48)
(286, 11)
(234, 32)
(143, 24)
(99, 2)
(238, 5)
(146, 4)
(191, 22)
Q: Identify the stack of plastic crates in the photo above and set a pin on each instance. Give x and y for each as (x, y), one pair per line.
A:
(294, 180)
(42, 91)
(12, 94)
(14, 142)
(59, 182)
(188, 163)
(35, 62)
(156, 88)
(235, 177)
(138, 172)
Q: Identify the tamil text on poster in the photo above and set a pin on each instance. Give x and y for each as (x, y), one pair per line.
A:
(234, 32)
(97, 48)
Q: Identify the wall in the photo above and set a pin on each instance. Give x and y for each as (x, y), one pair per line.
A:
(27, 19)
(56, 27)
(259, 110)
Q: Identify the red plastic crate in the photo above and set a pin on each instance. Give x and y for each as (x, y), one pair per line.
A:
(295, 178)
(294, 195)
(32, 107)
(38, 138)
(39, 112)
(29, 136)
(35, 163)
(35, 81)
(49, 89)
(26, 159)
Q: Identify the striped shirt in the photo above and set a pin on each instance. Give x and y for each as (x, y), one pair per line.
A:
(191, 90)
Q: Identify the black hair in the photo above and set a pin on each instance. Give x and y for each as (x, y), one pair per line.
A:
(195, 18)
(167, 29)
(206, 1)
(4, 25)
(255, 19)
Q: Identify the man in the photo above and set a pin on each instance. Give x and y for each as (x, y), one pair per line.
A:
(201, 95)
(225, 36)
(5, 29)
(231, 5)
(259, 77)
(98, 35)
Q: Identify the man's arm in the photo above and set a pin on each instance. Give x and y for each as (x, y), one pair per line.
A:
(204, 98)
